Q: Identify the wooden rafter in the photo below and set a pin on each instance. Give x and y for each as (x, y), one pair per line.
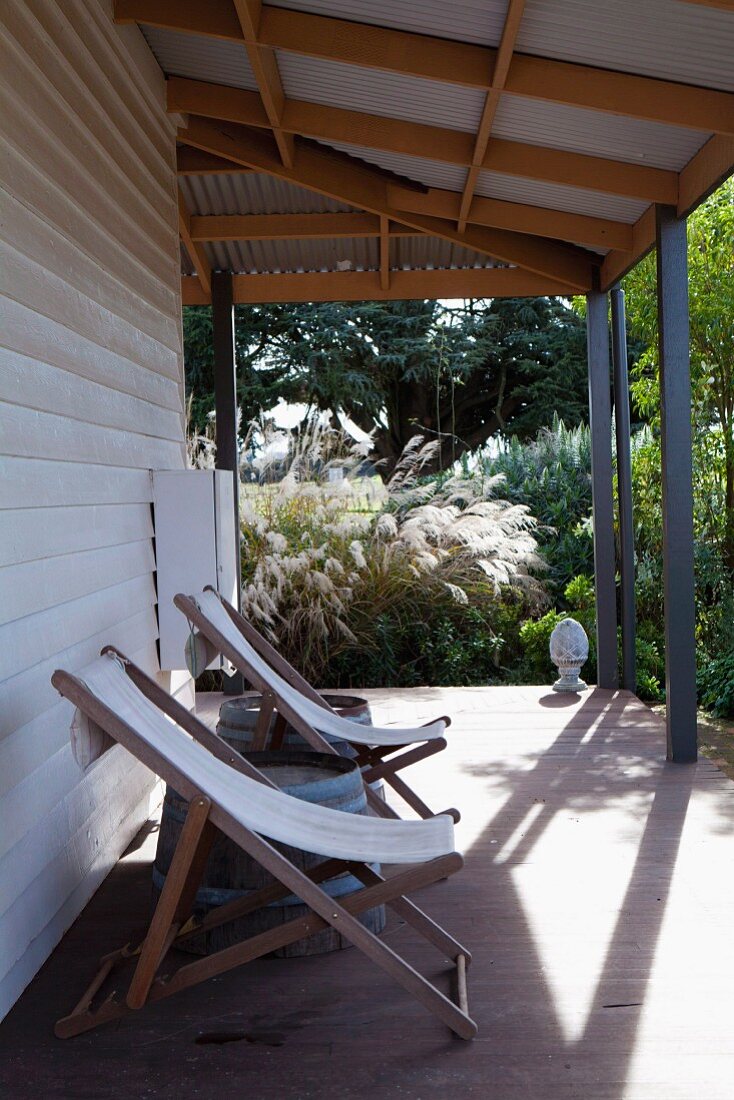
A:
(193, 162)
(711, 166)
(501, 68)
(451, 62)
(338, 177)
(521, 217)
(494, 213)
(194, 249)
(265, 67)
(357, 286)
(325, 123)
(292, 227)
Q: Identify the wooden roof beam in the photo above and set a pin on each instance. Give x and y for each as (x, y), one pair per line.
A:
(195, 251)
(357, 286)
(324, 123)
(265, 67)
(292, 227)
(711, 165)
(193, 162)
(500, 70)
(520, 217)
(335, 175)
(451, 62)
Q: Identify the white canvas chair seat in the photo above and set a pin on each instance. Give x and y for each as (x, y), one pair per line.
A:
(322, 719)
(266, 811)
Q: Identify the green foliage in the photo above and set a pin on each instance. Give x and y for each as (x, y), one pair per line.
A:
(552, 476)
(457, 374)
(711, 305)
(535, 633)
(535, 639)
(650, 669)
(716, 685)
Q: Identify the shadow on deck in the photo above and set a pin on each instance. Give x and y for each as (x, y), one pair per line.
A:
(597, 899)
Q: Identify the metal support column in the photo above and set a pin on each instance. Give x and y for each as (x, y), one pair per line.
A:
(225, 402)
(675, 402)
(624, 489)
(600, 419)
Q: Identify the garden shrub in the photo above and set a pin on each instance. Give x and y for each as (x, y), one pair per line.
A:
(551, 475)
(716, 685)
(401, 589)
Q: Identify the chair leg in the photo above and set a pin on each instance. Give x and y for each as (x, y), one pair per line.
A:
(176, 900)
(339, 915)
(415, 917)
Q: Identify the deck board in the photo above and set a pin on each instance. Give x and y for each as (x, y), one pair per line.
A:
(597, 898)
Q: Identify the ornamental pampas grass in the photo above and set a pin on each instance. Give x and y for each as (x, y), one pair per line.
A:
(329, 557)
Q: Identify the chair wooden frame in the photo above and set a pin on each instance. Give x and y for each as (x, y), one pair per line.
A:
(376, 761)
(173, 922)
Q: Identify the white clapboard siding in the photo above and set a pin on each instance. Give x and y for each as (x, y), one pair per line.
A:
(36, 637)
(132, 813)
(52, 866)
(50, 294)
(53, 582)
(36, 385)
(34, 533)
(30, 433)
(36, 483)
(24, 231)
(91, 400)
(95, 238)
(48, 858)
(30, 693)
(44, 340)
(117, 133)
(41, 103)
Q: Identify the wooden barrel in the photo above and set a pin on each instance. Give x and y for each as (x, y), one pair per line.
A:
(238, 718)
(230, 873)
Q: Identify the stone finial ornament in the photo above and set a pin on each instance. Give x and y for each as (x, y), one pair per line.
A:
(569, 648)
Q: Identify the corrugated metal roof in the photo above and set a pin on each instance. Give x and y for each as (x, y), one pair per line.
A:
(603, 135)
(200, 57)
(465, 20)
(432, 173)
(662, 38)
(282, 257)
(390, 94)
(413, 253)
(497, 185)
(406, 253)
(253, 193)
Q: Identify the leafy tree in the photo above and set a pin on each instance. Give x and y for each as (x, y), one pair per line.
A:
(711, 303)
(458, 374)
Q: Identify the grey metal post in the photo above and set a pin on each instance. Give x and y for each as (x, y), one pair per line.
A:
(675, 403)
(600, 419)
(225, 404)
(624, 489)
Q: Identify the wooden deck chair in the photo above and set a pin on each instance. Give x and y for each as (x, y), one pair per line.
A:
(380, 752)
(116, 700)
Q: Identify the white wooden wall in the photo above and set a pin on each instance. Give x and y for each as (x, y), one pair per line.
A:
(91, 398)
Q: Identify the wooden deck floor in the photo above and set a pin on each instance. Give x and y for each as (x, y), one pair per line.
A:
(597, 898)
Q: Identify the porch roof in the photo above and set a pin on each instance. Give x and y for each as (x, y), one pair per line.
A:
(346, 149)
